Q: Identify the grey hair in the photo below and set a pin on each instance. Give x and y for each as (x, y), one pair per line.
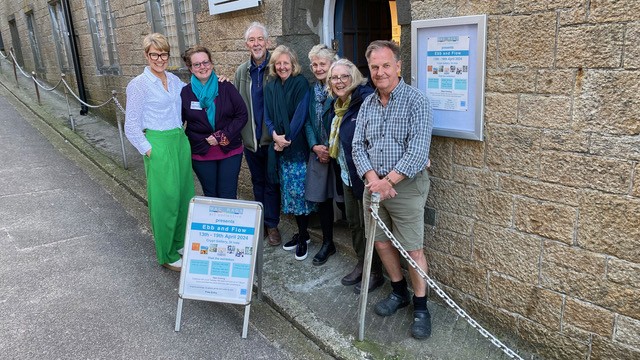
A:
(256, 25)
(357, 78)
(381, 44)
(324, 52)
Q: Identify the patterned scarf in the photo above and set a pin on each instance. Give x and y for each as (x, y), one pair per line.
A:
(340, 109)
(321, 94)
(206, 94)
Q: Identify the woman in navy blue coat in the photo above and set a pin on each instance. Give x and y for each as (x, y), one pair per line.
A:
(349, 88)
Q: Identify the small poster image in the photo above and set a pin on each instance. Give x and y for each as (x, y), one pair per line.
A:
(448, 72)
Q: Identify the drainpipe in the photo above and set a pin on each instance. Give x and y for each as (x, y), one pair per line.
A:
(75, 55)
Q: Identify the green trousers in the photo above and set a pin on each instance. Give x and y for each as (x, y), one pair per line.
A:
(169, 190)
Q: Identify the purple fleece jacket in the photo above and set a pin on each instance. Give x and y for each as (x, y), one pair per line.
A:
(231, 116)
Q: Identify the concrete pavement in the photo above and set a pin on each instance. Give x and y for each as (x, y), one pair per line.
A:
(92, 263)
(79, 277)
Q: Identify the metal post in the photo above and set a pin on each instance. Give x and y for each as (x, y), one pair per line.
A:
(120, 132)
(366, 269)
(33, 77)
(245, 322)
(179, 313)
(260, 253)
(15, 71)
(66, 95)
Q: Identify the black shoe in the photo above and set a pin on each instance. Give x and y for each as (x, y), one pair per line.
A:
(375, 281)
(291, 244)
(354, 277)
(391, 304)
(421, 327)
(301, 250)
(328, 248)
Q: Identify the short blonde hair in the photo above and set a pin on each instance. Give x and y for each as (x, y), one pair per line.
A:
(284, 50)
(357, 78)
(156, 40)
(323, 52)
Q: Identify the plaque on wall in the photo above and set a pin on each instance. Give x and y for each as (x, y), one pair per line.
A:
(448, 64)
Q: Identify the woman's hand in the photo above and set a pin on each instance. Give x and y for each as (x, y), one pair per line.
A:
(148, 153)
(212, 140)
(322, 152)
(280, 141)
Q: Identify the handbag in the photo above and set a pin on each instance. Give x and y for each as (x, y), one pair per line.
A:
(315, 188)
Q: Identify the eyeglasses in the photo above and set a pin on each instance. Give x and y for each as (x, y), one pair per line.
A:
(203, 64)
(155, 56)
(342, 78)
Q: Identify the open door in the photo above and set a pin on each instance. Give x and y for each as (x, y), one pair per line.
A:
(358, 23)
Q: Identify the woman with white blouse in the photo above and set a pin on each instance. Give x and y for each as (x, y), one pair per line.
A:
(153, 125)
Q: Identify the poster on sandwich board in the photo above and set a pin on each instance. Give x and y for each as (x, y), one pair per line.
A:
(221, 241)
(222, 251)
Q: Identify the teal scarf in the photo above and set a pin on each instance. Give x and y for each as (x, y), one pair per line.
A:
(206, 94)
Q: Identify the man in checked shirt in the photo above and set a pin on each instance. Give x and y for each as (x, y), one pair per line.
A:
(391, 152)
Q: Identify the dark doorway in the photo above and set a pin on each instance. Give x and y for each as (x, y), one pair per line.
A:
(15, 42)
(357, 23)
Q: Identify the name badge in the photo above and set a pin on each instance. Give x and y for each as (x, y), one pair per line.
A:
(195, 105)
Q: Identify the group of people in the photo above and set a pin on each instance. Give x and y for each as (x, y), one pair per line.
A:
(339, 139)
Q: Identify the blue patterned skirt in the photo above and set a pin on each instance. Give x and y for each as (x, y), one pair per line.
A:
(292, 184)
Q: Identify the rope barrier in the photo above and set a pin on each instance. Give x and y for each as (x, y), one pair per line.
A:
(68, 90)
(18, 65)
(45, 88)
(58, 84)
(82, 102)
(115, 100)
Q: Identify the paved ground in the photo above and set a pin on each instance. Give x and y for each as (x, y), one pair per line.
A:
(80, 275)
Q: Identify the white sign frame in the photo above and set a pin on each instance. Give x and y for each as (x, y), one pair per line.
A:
(467, 124)
(234, 229)
(224, 6)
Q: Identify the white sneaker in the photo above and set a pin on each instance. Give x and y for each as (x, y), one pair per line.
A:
(181, 251)
(175, 266)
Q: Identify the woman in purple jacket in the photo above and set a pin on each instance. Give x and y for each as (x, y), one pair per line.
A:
(215, 115)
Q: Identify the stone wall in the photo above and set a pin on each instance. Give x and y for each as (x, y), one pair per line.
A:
(294, 23)
(538, 227)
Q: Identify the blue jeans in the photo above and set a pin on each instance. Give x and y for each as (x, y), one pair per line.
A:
(219, 178)
(264, 191)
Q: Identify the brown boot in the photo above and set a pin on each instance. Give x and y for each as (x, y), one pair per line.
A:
(375, 281)
(274, 236)
(354, 276)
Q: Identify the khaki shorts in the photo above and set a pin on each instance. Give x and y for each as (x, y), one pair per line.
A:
(403, 214)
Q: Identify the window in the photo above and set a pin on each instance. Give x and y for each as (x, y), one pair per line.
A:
(176, 20)
(33, 39)
(102, 25)
(60, 36)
